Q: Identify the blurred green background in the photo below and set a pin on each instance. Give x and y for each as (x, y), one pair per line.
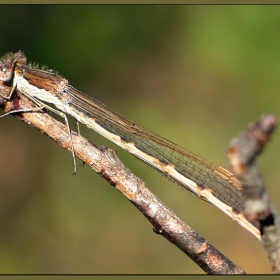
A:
(196, 75)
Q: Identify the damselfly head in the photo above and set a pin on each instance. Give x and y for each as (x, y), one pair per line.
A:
(7, 63)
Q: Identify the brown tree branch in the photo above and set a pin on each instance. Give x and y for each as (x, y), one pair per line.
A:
(242, 153)
(105, 162)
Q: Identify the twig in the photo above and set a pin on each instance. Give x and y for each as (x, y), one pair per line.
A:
(242, 153)
(105, 163)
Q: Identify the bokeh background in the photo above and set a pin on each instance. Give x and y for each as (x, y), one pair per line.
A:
(196, 75)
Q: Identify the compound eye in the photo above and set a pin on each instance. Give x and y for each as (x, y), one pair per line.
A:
(19, 58)
(5, 74)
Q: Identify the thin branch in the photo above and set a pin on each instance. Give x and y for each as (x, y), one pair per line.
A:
(105, 162)
(242, 153)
